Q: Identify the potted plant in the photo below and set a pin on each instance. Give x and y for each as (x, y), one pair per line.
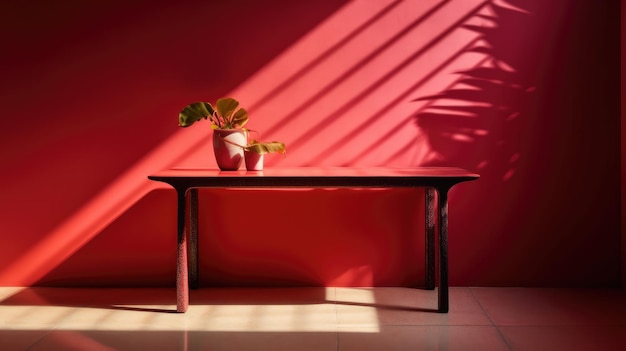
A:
(230, 138)
(255, 150)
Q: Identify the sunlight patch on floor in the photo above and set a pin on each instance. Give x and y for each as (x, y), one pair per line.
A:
(31, 311)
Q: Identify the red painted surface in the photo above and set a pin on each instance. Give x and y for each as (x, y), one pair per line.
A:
(526, 93)
(623, 142)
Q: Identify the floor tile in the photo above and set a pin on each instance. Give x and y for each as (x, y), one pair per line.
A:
(260, 296)
(255, 341)
(401, 338)
(565, 337)
(363, 307)
(111, 340)
(263, 318)
(262, 310)
(109, 319)
(18, 340)
(528, 306)
(32, 317)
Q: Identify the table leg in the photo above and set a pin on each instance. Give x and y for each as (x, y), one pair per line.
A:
(182, 287)
(443, 250)
(430, 237)
(193, 238)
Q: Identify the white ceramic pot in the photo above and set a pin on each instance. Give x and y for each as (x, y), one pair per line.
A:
(228, 148)
(254, 161)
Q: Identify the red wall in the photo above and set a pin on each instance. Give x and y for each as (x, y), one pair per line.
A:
(623, 133)
(526, 93)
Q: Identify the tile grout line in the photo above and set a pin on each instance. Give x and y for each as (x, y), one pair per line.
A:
(506, 341)
(337, 346)
(52, 329)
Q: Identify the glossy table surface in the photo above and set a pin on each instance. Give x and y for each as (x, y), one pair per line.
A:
(317, 177)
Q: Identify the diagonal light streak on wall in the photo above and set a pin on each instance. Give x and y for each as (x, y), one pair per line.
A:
(95, 215)
(327, 117)
(367, 51)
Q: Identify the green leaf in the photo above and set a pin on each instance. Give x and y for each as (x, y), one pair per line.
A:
(240, 118)
(194, 112)
(266, 147)
(226, 107)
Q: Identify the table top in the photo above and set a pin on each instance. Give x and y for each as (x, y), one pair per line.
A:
(316, 177)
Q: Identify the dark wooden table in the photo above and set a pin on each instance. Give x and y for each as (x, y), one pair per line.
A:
(436, 180)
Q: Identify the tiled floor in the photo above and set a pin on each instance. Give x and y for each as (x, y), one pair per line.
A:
(312, 319)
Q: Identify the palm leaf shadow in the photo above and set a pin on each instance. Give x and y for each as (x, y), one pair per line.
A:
(483, 108)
